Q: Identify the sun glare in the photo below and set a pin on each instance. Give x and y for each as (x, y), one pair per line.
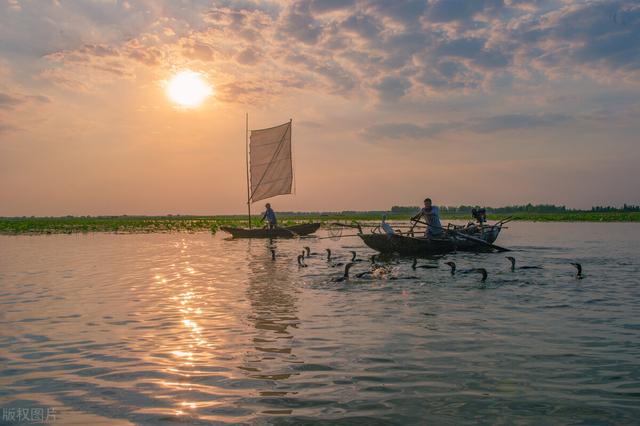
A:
(188, 89)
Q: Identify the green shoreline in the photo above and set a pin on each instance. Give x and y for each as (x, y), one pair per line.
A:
(148, 224)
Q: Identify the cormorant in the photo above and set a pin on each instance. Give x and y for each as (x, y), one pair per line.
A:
(415, 265)
(483, 272)
(513, 264)
(330, 261)
(344, 277)
(578, 270)
(453, 267)
(353, 256)
(308, 250)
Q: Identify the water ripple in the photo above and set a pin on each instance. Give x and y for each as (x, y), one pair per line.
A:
(198, 329)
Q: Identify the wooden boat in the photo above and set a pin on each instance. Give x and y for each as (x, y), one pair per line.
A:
(405, 245)
(422, 246)
(285, 232)
(269, 173)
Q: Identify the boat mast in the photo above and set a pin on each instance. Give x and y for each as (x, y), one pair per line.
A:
(246, 134)
(293, 175)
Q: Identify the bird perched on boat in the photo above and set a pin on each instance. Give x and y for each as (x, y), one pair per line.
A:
(273, 254)
(513, 264)
(308, 250)
(354, 255)
(578, 270)
(415, 265)
(330, 261)
(301, 261)
(483, 272)
(345, 276)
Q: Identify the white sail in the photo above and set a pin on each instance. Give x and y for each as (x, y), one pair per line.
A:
(271, 165)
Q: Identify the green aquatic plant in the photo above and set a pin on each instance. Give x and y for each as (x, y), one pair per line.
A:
(158, 224)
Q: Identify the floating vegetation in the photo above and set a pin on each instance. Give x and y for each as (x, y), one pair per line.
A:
(148, 224)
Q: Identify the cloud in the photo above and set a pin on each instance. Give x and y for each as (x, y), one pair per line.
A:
(391, 88)
(199, 51)
(455, 10)
(323, 6)
(390, 51)
(9, 101)
(12, 101)
(7, 128)
(300, 24)
(405, 12)
(486, 125)
(366, 26)
(591, 38)
(403, 130)
(249, 56)
(516, 122)
(310, 124)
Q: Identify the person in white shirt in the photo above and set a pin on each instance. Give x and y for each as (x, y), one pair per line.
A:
(431, 215)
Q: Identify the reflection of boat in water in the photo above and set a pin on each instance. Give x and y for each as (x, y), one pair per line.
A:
(285, 232)
(271, 293)
(269, 173)
(469, 239)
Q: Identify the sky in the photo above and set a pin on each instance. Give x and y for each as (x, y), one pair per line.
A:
(487, 102)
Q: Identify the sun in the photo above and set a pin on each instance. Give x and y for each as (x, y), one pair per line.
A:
(188, 89)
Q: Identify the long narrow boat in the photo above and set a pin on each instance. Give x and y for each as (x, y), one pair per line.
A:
(286, 232)
(269, 173)
(422, 246)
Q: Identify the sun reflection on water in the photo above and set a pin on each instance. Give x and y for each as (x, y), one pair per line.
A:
(202, 331)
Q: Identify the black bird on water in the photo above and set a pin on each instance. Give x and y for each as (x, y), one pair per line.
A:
(329, 260)
(344, 277)
(513, 264)
(454, 269)
(483, 272)
(273, 254)
(578, 270)
(415, 265)
(354, 255)
(452, 265)
(301, 261)
(308, 250)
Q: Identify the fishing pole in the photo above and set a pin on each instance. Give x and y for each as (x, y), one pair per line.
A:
(340, 236)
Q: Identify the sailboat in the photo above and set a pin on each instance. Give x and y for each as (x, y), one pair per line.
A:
(269, 173)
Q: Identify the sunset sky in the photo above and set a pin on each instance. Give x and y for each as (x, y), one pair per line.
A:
(488, 102)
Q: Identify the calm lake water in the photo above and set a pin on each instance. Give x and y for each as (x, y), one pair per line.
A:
(196, 329)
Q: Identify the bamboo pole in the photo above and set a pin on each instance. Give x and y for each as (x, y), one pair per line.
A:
(246, 135)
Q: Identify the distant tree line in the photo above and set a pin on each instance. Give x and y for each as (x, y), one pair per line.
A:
(529, 208)
(624, 208)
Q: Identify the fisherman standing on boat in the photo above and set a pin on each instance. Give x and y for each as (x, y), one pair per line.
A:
(270, 216)
(431, 215)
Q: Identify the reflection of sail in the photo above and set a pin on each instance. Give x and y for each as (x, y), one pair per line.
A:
(271, 293)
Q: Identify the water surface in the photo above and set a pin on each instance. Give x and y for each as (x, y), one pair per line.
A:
(193, 328)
